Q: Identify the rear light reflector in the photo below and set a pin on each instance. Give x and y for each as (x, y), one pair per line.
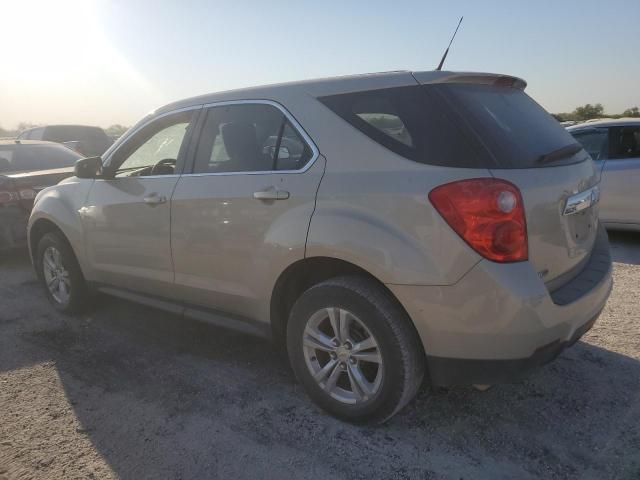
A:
(7, 197)
(28, 194)
(488, 214)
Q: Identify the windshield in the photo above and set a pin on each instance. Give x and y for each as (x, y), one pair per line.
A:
(516, 130)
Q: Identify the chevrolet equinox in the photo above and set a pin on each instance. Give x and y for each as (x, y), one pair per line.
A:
(379, 227)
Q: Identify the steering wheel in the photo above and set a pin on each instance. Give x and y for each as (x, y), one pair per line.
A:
(166, 166)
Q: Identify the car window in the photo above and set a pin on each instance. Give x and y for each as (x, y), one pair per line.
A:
(455, 125)
(154, 150)
(6, 156)
(594, 141)
(35, 134)
(90, 140)
(249, 138)
(625, 142)
(36, 157)
(384, 118)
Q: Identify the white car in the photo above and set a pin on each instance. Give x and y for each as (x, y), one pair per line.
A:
(614, 144)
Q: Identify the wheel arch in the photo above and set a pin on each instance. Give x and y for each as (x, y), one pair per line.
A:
(303, 274)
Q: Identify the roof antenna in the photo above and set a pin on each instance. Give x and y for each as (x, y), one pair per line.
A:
(450, 42)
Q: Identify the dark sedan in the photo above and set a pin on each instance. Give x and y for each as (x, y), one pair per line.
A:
(26, 167)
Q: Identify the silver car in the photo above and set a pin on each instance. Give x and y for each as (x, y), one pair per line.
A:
(614, 145)
(377, 226)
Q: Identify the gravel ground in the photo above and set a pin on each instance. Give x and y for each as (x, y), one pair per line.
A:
(129, 392)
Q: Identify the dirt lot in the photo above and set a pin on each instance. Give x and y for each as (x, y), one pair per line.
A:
(128, 392)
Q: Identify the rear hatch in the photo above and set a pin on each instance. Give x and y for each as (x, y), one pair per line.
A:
(518, 141)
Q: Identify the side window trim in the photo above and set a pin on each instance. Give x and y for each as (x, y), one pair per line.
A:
(187, 146)
(195, 139)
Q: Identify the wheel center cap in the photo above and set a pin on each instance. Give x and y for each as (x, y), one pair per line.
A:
(343, 353)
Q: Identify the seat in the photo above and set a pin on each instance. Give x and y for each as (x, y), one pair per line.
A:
(241, 143)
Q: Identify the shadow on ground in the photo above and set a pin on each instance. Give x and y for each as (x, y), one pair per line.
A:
(625, 247)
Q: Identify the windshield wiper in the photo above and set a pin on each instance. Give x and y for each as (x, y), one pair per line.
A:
(560, 153)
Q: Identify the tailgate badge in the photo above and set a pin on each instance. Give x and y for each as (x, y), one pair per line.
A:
(581, 201)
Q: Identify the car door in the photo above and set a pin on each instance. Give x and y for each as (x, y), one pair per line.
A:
(621, 176)
(126, 217)
(242, 215)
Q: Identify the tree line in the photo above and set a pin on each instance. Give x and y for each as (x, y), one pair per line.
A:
(589, 111)
(585, 112)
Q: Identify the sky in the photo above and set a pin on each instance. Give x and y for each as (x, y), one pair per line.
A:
(102, 62)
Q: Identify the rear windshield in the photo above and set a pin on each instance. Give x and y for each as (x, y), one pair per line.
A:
(467, 126)
(93, 140)
(23, 158)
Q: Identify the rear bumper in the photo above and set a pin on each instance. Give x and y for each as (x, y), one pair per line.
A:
(13, 227)
(457, 371)
(499, 320)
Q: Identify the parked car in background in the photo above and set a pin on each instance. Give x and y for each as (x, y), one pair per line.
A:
(86, 140)
(26, 167)
(376, 225)
(614, 145)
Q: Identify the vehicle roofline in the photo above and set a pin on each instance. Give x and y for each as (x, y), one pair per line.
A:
(341, 84)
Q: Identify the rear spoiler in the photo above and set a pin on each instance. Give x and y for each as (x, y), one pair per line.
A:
(432, 77)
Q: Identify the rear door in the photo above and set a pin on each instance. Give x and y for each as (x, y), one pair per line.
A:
(126, 218)
(621, 176)
(242, 215)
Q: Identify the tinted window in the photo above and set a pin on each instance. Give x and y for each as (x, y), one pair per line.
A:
(410, 122)
(92, 140)
(625, 142)
(471, 126)
(249, 138)
(516, 130)
(36, 157)
(594, 141)
(154, 150)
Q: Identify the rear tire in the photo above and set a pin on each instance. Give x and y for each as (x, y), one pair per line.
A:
(354, 349)
(60, 274)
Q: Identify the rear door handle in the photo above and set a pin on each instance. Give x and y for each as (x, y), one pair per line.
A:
(271, 193)
(155, 199)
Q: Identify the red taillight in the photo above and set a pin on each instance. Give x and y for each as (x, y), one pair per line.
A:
(7, 197)
(7, 192)
(27, 194)
(488, 214)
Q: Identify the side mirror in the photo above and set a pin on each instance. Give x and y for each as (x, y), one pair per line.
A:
(90, 167)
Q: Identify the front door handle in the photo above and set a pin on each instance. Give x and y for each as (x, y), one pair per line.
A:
(271, 193)
(154, 199)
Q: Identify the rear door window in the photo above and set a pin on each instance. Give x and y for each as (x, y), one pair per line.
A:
(249, 138)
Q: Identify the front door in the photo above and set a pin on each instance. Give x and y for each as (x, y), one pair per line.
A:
(126, 217)
(243, 213)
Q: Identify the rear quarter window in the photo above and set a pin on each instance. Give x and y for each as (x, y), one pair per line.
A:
(410, 123)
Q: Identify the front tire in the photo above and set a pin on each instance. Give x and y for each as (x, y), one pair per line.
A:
(354, 349)
(60, 274)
